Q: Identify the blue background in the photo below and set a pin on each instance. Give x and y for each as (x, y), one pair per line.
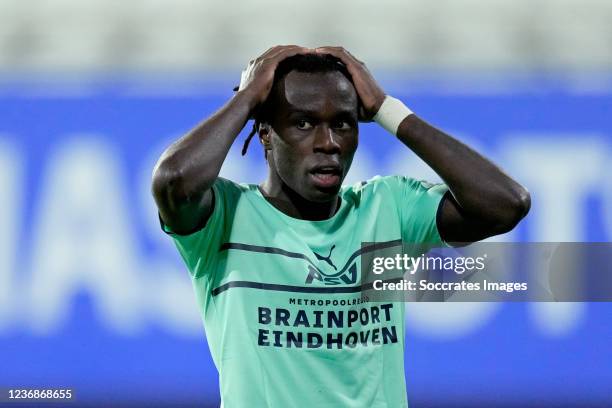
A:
(506, 357)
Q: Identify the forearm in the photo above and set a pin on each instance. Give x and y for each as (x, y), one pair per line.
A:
(481, 189)
(192, 163)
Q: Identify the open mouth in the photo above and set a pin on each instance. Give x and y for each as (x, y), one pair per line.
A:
(326, 176)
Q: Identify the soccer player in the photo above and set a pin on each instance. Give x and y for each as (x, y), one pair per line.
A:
(275, 265)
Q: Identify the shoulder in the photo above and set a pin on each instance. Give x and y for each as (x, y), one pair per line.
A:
(231, 186)
(401, 189)
(381, 184)
(378, 188)
(229, 189)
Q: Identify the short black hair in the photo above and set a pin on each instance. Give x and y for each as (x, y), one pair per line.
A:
(307, 63)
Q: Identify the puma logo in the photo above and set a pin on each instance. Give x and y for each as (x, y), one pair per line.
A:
(327, 258)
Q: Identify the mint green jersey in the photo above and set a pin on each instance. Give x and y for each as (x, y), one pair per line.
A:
(286, 322)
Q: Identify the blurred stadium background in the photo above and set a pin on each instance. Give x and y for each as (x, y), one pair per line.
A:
(94, 297)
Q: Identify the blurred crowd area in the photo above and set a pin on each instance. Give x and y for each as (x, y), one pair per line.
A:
(189, 35)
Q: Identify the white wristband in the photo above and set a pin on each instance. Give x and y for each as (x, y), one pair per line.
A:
(391, 113)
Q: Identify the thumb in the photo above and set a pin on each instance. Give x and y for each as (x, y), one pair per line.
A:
(362, 115)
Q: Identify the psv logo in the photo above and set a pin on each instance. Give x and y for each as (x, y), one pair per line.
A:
(346, 275)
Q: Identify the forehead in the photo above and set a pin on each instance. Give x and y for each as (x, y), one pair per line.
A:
(328, 91)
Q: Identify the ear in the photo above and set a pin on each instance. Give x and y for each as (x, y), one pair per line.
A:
(265, 131)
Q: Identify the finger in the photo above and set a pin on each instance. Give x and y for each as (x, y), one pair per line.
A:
(243, 77)
(338, 52)
(352, 56)
(267, 54)
(242, 83)
(273, 60)
(270, 51)
(288, 52)
(354, 66)
(362, 116)
(275, 55)
(276, 50)
(334, 50)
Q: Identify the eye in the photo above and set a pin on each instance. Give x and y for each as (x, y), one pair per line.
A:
(303, 124)
(342, 125)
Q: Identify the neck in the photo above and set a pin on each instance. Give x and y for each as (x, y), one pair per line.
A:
(291, 203)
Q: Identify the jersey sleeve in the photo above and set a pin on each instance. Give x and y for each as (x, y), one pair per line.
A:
(419, 204)
(200, 248)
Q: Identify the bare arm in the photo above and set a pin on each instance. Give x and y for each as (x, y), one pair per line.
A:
(186, 171)
(484, 202)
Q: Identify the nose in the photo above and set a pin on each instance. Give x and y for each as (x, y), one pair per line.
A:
(326, 141)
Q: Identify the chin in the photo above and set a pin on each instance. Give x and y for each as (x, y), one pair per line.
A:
(319, 195)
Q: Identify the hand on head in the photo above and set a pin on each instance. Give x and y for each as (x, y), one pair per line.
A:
(258, 76)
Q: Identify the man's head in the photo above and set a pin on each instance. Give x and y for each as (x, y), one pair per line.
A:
(309, 125)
